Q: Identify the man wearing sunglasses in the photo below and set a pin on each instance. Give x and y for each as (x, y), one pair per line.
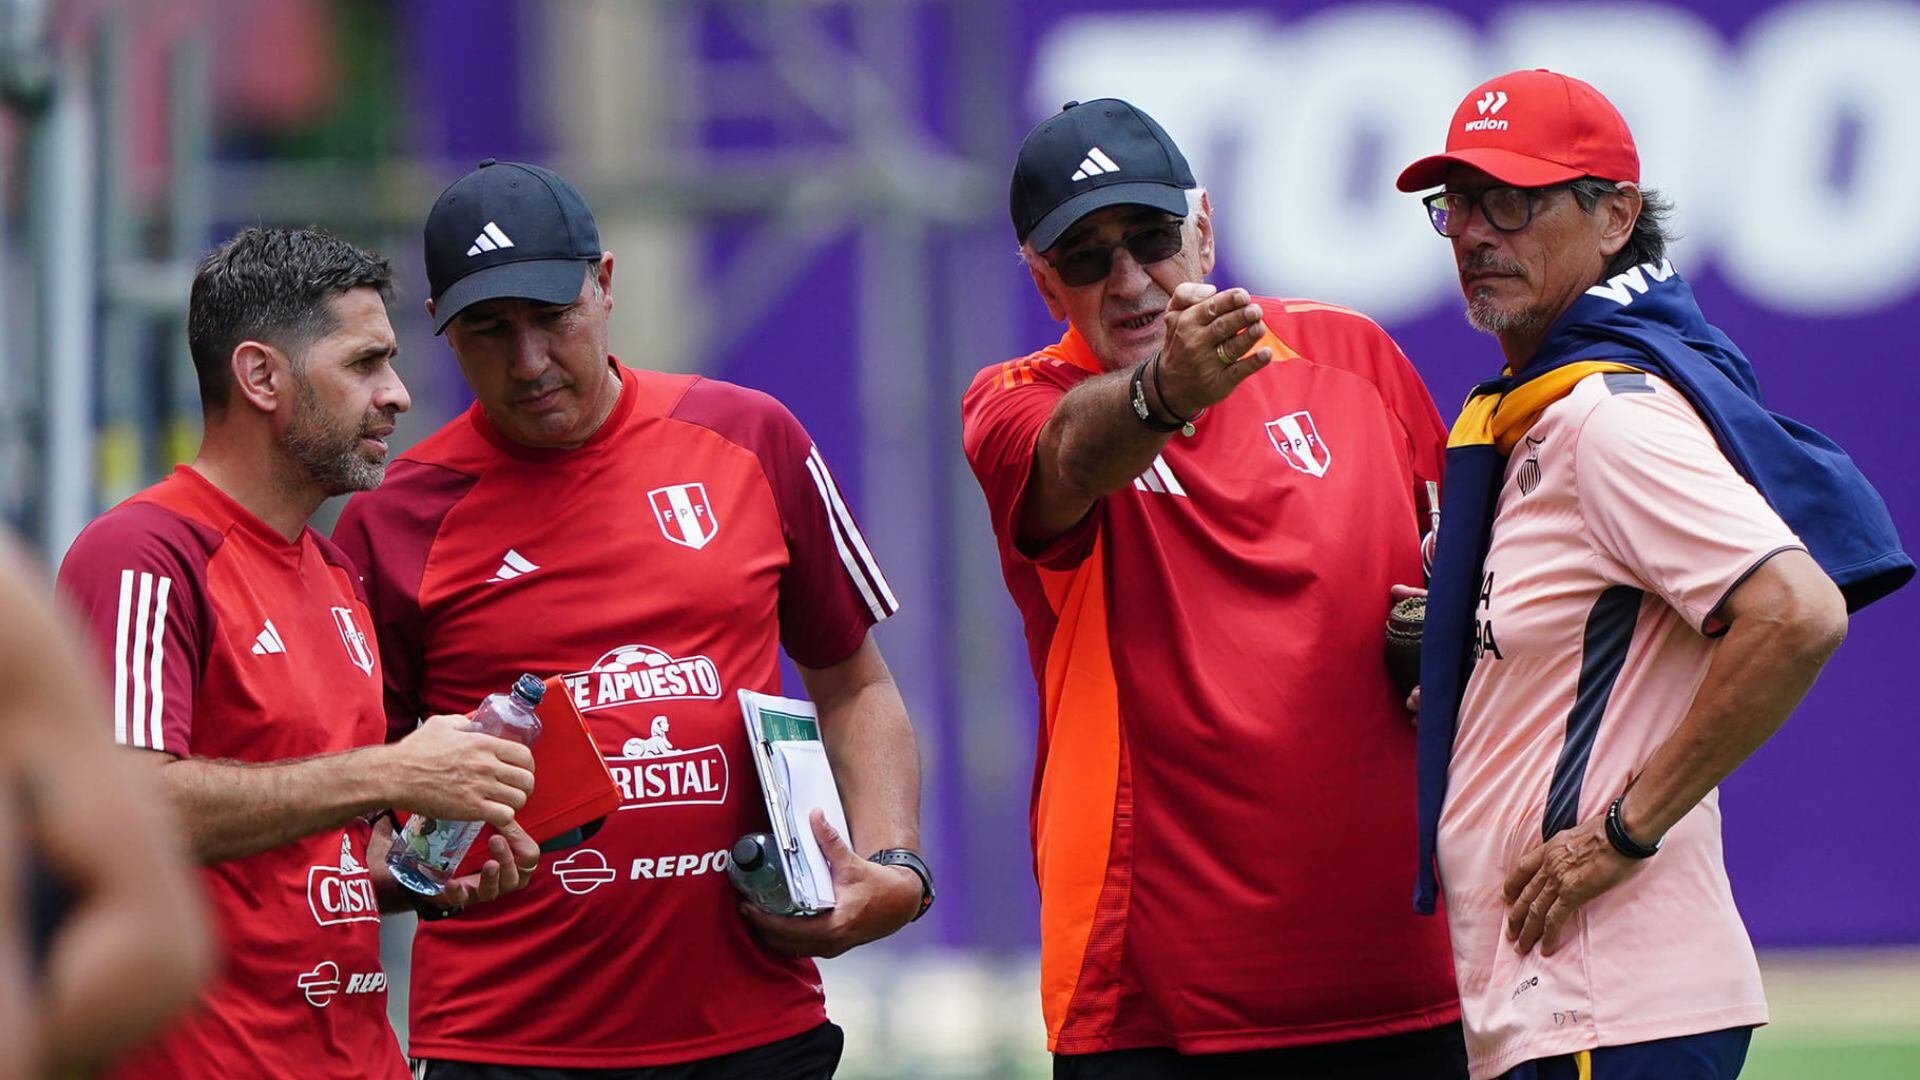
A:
(1627, 599)
(1201, 499)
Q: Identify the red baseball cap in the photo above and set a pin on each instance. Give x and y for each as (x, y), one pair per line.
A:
(1530, 129)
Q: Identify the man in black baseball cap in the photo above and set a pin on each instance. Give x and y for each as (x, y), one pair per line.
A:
(581, 515)
(1071, 165)
(1205, 599)
(507, 229)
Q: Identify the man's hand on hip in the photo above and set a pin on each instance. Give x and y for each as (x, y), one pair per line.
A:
(445, 769)
(1209, 348)
(1557, 879)
(870, 901)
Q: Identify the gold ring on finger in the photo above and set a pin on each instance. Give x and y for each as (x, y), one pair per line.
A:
(1226, 357)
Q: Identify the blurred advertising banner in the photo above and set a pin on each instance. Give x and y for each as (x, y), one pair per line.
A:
(1788, 135)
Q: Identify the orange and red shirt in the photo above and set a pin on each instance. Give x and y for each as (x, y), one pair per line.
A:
(224, 641)
(1223, 804)
(658, 569)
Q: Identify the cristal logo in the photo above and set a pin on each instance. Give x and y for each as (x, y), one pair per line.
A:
(636, 673)
(651, 771)
(342, 893)
(1489, 107)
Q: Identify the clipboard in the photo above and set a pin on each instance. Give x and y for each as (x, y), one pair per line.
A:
(795, 777)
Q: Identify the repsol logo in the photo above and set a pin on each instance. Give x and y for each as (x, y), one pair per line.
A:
(678, 866)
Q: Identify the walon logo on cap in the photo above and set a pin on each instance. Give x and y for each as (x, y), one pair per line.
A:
(1489, 107)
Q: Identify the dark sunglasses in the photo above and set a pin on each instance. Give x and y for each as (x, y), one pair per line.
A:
(1089, 263)
(1508, 209)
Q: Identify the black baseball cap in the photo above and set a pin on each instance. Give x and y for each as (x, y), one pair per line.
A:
(507, 229)
(1088, 156)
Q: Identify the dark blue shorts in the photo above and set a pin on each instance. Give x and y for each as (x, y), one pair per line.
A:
(1716, 1055)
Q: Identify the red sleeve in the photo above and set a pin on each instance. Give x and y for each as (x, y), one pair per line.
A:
(387, 534)
(832, 589)
(136, 577)
(1000, 421)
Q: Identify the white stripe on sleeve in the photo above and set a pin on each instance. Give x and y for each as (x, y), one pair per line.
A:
(840, 513)
(840, 543)
(137, 662)
(120, 658)
(155, 687)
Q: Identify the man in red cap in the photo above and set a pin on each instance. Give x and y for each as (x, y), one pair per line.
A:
(1639, 573)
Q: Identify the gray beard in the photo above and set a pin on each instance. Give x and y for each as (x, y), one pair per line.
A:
(1484, 318)
(331, 457)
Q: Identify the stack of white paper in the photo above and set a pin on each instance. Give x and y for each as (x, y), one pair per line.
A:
(795, 778)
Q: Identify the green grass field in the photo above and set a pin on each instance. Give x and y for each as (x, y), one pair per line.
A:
(1780, 1057)
(1840, 1016)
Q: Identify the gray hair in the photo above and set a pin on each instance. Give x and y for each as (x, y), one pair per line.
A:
(1651, 230)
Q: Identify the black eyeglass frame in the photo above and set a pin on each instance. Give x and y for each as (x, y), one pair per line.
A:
(1534, 197)
(1134, 242)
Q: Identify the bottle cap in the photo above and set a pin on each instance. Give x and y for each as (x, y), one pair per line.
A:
(747, 853)
(530, 688)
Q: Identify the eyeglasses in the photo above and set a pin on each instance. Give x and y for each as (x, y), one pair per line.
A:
(1093, 262)
(1508, 209)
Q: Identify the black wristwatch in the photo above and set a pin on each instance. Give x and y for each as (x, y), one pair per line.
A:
(1624, 844)
(900, 856)
(428, 913)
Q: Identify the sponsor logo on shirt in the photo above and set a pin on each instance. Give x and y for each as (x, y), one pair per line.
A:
(636, 673)
(342, 893)
(583, 871)
(651, 771)
(354, 640)
(586, 869)
(684, 514)
(1299, 442)
(322, 984)
(671, 866)
(1530, 468)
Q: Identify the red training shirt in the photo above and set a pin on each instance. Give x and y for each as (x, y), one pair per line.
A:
(658, 567)
(224, 641)
(1223, 809)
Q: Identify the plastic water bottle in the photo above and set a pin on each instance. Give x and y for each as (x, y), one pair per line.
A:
(427, 851)
(754, 868)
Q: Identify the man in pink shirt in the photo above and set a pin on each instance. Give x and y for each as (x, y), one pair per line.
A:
(1639, 615)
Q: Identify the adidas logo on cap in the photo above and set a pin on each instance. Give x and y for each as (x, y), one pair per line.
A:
(490, 239)
(1096, 163)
